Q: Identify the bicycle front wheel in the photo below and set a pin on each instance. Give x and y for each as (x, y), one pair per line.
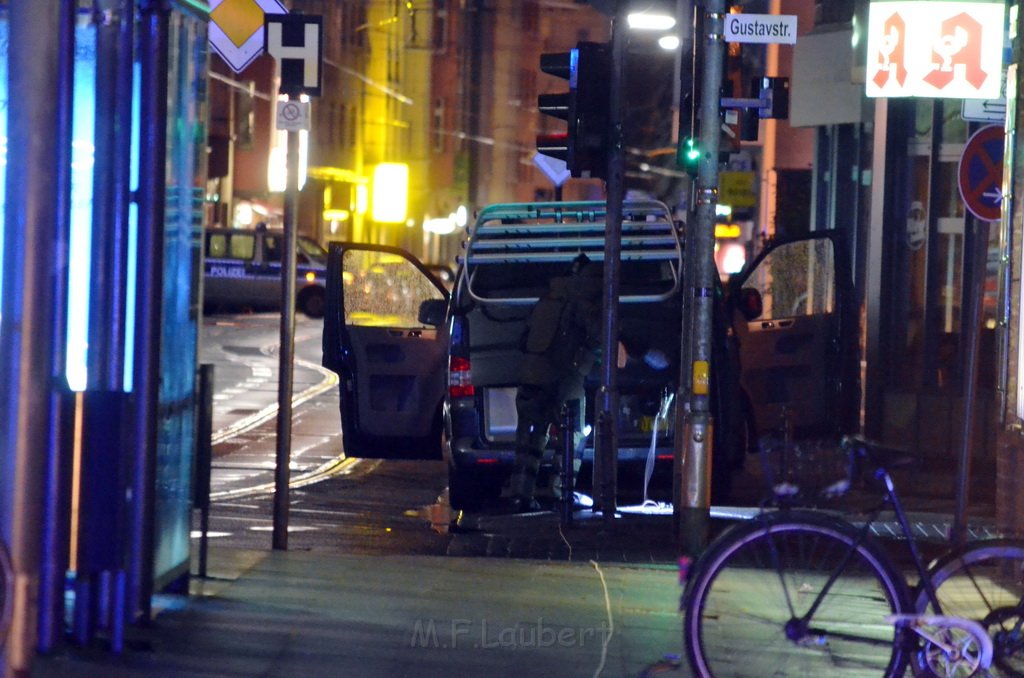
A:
(984, 582)
(794, 594)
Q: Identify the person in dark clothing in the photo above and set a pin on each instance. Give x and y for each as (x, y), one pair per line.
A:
(562, 343)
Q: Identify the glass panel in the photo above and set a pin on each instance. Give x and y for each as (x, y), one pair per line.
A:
(243, 246)
(186, 141)
(311, 249)
(381, 289)
(926, 288)
(271, 248)
(796, 279)
(217, 245)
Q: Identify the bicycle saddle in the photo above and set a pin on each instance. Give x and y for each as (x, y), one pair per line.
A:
(879, 454)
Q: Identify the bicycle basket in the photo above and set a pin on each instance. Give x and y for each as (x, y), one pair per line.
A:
(803, 471)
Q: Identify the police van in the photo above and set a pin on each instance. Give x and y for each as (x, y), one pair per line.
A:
(242, 270)
(430, 373)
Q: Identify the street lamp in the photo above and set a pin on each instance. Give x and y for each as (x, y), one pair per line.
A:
(669, 42)
(651, 16)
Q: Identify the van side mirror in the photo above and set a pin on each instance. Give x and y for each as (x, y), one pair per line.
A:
(750, 303)
(433, 312)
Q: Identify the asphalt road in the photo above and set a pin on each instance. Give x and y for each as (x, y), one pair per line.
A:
(335, 503)
(358, 506)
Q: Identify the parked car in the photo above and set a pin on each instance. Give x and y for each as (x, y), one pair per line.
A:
(429, 374)
(242, 269)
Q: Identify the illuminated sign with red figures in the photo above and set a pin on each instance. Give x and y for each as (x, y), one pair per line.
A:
(935, 49)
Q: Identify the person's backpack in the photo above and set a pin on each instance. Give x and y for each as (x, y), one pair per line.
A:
(546, 323)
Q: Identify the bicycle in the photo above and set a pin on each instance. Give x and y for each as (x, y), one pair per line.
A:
(801, 592)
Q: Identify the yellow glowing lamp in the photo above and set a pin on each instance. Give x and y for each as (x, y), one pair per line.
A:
(336, 215)
(361, 199)
(728, 231)
(390, 192)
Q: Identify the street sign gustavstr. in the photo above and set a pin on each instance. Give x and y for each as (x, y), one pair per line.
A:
(760, 28)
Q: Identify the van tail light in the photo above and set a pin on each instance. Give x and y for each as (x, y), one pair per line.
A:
(460, 379)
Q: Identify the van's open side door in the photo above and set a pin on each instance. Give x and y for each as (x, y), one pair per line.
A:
(393, 367)
(799, 354)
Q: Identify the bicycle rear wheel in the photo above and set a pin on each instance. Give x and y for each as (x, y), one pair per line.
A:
(746, 594)
(984, 581)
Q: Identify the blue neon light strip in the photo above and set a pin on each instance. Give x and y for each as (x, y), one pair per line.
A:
(133, 238)
(3, 138)
(83, 160)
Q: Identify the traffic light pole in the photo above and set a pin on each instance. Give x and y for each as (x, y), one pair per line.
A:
(694, 442)
(606, 453)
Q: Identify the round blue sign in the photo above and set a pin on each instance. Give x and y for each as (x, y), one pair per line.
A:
(980, 175)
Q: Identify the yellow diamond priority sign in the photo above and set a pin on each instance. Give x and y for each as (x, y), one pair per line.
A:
(236, 29)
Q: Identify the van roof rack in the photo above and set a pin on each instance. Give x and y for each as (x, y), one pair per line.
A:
(556, 232)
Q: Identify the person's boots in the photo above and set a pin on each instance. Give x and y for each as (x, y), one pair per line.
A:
(518, 493)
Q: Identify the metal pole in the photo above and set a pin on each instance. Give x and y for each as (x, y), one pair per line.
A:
(685, 71)
(694, 514)
(977, 252)
(570, 423)
(203, 461)
(282, 470)
(27, 310)
(110, 198)
(606, 452)
(153, 56)
(55, 524)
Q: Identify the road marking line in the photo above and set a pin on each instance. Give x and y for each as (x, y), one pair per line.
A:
(333, 465)
(270, 411)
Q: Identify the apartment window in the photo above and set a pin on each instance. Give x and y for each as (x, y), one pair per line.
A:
(527, 87)
(353, 127)
(439, 129)
(439, 29)
(531, 17)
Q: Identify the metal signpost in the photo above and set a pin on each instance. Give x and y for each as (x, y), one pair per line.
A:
(296, 41)
(693, 515)
(606, 443)
(980, 180)
(694, 425)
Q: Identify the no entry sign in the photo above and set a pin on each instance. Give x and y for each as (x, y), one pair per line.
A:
(980, 175)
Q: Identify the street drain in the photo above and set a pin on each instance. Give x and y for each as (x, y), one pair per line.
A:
(244, 410)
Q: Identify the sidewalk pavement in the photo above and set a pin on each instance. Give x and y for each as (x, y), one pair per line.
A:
(515, 596)
(288, 613)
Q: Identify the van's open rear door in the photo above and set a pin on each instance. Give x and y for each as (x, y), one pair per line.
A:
(393, 367)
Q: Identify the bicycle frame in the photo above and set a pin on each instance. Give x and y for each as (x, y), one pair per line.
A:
(835, 594)
(798, 628)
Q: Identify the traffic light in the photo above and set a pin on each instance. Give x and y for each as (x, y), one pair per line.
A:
(690, 154)
(774, 92)
(584, 146)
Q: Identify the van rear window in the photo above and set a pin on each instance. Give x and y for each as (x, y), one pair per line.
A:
(515, 280)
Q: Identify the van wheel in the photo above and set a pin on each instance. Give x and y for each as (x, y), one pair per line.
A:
(312, 302)
(465, 490)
